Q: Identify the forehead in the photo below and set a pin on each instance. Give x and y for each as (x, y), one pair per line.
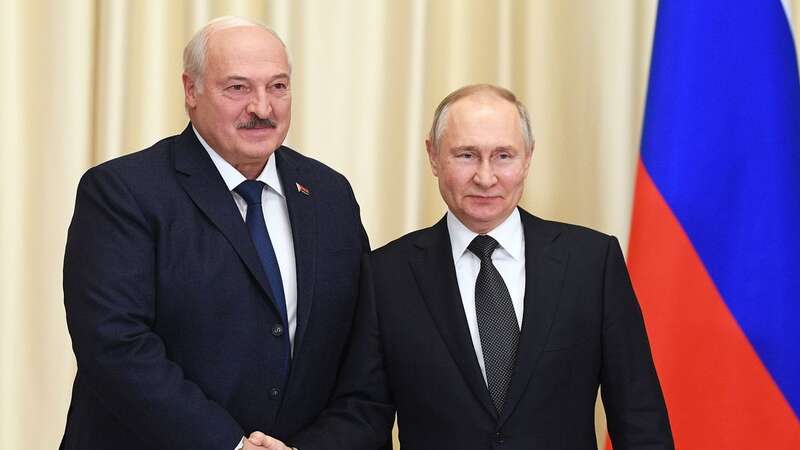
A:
(483, 117)
(245, 48)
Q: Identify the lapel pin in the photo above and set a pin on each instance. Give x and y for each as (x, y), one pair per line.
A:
(302, 189)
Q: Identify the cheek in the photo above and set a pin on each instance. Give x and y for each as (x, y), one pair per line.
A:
(455, 183)
(514, 182)
(283, 107)
(230, 111)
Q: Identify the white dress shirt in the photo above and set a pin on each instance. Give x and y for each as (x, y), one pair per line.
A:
(276, 215)
(508, 258)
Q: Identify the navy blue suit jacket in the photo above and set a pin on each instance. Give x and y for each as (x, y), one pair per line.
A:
(169, 311)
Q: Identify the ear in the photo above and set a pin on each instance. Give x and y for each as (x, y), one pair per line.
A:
(189, 90)
(432, 157)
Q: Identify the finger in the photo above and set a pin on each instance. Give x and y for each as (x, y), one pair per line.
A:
(270, 443)
(257, 437)
(261, 439)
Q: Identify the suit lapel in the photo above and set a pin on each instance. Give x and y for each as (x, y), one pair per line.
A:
(208, 191)
(435, 274)
(304, 233)
(544, 274)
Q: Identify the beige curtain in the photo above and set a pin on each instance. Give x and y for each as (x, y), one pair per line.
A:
(84, 81)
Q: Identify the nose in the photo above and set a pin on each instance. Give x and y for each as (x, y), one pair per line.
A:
(484, 174)
(260, 104)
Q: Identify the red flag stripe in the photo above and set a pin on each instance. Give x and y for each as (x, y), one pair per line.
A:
(719, 394)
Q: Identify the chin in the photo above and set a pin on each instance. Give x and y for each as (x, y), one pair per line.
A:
(484, 214)
(260, 151)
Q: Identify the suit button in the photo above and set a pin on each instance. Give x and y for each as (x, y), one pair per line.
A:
(277, 330)
(274, 393)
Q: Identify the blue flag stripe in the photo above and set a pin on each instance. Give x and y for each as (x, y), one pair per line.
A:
(721, 140)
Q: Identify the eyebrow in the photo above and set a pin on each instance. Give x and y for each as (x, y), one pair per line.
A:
(506, 148)
(244, 78)
(236, 78)
(472, 148)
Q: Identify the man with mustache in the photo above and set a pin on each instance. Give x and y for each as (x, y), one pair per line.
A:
(492, 329)
(210, 280)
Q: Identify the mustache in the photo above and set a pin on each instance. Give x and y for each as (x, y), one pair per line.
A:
(256, 122)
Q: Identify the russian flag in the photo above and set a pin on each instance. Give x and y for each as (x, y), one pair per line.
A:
(715, 240)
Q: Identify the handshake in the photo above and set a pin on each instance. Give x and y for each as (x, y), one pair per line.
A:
(258, 440)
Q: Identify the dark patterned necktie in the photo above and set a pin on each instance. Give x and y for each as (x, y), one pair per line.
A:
(497, 322)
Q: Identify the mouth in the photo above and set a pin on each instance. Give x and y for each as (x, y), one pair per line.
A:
(484, 198)
(257, 133)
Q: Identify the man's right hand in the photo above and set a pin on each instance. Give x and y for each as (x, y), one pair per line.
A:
(259, 440)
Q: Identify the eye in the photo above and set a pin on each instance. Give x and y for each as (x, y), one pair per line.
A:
(237, 89)
(279, 88)
(464, 155)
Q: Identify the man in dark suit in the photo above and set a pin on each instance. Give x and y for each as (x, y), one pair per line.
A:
(210, 281)
(493, 329)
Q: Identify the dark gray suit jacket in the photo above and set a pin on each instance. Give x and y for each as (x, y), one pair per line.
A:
(411, 351)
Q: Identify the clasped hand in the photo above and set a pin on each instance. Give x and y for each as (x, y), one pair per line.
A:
(259, 440)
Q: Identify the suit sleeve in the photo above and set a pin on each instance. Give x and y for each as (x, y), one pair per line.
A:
(110, 300)
(361, 232)
(635, 410)
(361, 414)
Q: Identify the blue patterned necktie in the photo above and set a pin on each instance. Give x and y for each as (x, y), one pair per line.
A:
(497, 322)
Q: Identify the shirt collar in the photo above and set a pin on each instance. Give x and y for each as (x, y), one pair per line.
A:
(233, 177)
(508, 234)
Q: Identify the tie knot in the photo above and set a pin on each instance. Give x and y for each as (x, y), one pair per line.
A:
(482, 246)
(250, 190)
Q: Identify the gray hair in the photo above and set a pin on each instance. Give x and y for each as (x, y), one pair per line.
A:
(194, 54)
(440, 116)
